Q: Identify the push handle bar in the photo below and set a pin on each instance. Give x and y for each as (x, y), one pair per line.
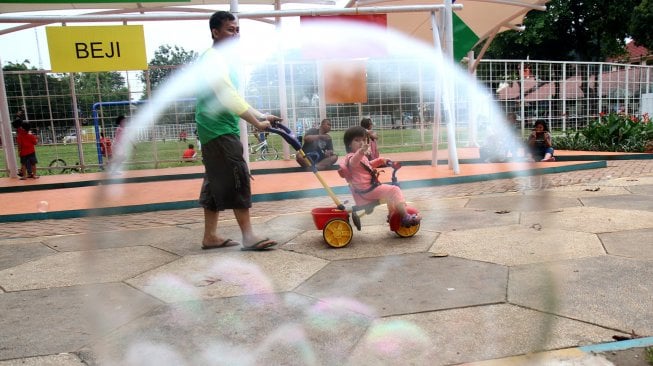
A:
(284, 131)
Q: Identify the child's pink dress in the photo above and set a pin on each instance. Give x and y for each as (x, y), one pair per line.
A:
(361, 175)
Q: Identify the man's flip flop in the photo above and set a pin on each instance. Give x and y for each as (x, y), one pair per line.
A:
(224, 244)
(261, 245)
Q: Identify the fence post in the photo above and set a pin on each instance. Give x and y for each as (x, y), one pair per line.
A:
(5, 128)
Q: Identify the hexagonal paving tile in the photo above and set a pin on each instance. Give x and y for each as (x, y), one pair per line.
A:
(50, 321)
(628, 181)
(409, 283)
(300, 221)
(62, 359)
(192, 242)
(120, 239)
(279, 329)
(631, 243)
(14, 254)
(11, 241)
(645, 189)
(594, 290)
(225, 273)
(225, 223)
(626, 202)
(531, 202)
(76, 268)
(371, 241)
(589, 219)
(439, 204)
(465, 218)
(581, 190)
(469, 334)
(517, 244)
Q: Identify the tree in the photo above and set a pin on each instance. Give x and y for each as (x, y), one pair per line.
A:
(166, 59)
(569, 30)
(91, 88)
(640, 24)
(26, 87)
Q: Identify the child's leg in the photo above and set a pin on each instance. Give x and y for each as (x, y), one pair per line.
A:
(396, 202)
(28, 167)
(548, 154)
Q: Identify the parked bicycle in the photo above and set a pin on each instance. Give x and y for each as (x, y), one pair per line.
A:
(262, 150)
(59, 166)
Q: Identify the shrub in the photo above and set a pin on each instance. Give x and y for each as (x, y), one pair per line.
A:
(611, 132)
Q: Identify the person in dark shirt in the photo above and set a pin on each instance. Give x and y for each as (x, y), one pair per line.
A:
(318, 147)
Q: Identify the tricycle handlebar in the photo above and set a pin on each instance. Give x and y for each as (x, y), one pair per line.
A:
(284, 131)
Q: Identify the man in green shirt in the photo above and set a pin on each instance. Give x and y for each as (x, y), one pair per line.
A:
(218, 111)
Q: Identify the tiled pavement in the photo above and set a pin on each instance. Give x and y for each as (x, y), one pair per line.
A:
(535, 264)
(614, 169)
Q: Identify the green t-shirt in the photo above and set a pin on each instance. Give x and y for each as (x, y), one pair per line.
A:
(218, 103)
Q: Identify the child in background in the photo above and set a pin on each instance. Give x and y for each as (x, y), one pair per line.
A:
(26, 149)
(190, 153)
(362, 177)
(373, 152)
(105, 147)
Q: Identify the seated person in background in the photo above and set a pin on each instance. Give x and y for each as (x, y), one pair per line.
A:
(318, 147)
(189, 154)
(362, 176)
(539, 143)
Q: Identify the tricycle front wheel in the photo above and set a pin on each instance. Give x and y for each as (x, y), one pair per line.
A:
(337, 233)
(407, 232)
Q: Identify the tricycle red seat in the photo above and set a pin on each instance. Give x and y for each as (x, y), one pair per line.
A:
(322, 215)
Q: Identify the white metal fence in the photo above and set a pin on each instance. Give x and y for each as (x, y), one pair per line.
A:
(566, 94)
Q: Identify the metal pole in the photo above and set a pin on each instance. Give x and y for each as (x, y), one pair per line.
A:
(283, 97)
(437, 113)
(233, 8)
(78, 127)
(5, 129)
(450, 92)
(564, 96)
(94, 18)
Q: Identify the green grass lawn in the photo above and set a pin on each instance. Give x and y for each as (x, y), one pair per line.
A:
(160, 154)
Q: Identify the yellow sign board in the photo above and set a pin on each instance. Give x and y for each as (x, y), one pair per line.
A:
(96, 48)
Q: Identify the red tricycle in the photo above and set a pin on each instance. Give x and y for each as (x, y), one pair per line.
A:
(334, 221)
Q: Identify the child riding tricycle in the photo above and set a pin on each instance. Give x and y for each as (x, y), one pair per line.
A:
(368, 192)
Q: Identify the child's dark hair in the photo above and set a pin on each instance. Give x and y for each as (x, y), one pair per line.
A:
(119, 119)
(366, 123)
(191, 146)
(351, 133)
(543, 123)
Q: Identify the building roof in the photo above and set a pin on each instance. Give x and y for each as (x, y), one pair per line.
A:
(634, 54)
(636, 51)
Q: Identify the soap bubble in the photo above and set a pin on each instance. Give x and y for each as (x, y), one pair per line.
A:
(43, 206)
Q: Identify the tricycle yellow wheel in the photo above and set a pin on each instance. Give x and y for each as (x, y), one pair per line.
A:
(407, 232)
(337, 233)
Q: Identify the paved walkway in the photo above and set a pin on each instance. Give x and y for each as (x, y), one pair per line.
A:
(536, 263)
